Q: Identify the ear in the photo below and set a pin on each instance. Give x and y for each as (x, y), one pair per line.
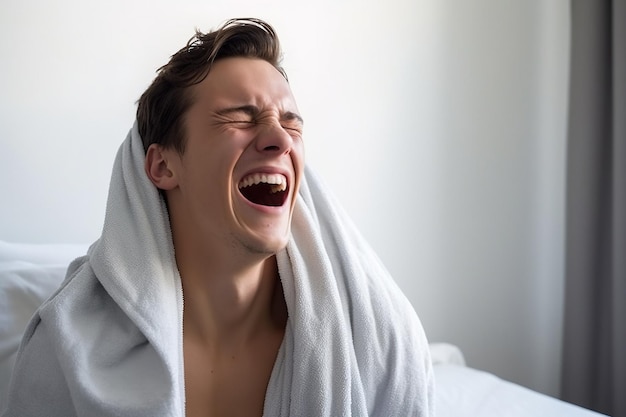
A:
(159, 167)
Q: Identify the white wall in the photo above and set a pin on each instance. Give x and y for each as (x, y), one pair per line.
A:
(499, 72)
(439, 124)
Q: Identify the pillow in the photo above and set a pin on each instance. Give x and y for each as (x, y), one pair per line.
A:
(24, 286)
(446, 354)
(51, 253)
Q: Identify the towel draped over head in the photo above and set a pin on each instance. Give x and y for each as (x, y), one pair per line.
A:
(109, 341)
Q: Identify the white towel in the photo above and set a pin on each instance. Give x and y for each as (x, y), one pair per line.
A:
(109, 342)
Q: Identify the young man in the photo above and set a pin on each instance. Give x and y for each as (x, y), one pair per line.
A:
(226, 281)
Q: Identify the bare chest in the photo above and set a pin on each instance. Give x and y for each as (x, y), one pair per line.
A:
(230, 384)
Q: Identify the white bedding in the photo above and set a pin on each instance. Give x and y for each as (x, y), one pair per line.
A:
(30, 273)
(467, 392)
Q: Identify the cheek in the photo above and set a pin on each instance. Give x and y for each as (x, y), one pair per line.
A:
(204, 179)
(299, 160)
(297, 152)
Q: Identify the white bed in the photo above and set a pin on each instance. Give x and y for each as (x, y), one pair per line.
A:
(30, 273)
(463, 391)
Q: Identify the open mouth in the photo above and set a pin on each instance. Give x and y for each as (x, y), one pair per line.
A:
(265, 189)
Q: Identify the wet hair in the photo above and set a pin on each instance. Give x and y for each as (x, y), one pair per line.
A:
(162, 107)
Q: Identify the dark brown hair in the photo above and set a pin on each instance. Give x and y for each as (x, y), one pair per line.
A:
(161, 108)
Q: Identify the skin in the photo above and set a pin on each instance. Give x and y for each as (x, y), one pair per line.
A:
(244, 120)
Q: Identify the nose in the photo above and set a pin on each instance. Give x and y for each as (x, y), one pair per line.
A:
(274, 138)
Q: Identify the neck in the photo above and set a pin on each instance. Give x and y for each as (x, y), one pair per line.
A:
(230, 300)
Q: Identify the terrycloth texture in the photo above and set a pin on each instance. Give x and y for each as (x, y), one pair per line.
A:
(29, 273)
(23, 287)
(109, 341)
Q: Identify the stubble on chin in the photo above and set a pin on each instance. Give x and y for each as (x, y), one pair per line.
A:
(256, 247)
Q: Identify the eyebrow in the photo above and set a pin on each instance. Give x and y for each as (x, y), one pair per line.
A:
(289, 116)
(254, 110)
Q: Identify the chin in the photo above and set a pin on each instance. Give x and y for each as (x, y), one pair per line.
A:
(267, 246)
(273, 247)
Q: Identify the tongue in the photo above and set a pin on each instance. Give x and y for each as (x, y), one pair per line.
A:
(261, 194)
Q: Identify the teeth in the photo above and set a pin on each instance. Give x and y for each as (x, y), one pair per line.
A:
(278, 181)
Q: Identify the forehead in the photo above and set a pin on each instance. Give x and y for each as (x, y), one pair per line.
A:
(245, 81)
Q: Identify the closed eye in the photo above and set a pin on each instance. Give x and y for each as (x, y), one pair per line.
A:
(292, 122)
(297, 130)
(243, 115)
(241, 123)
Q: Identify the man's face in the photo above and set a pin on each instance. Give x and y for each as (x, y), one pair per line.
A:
(237, 181)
